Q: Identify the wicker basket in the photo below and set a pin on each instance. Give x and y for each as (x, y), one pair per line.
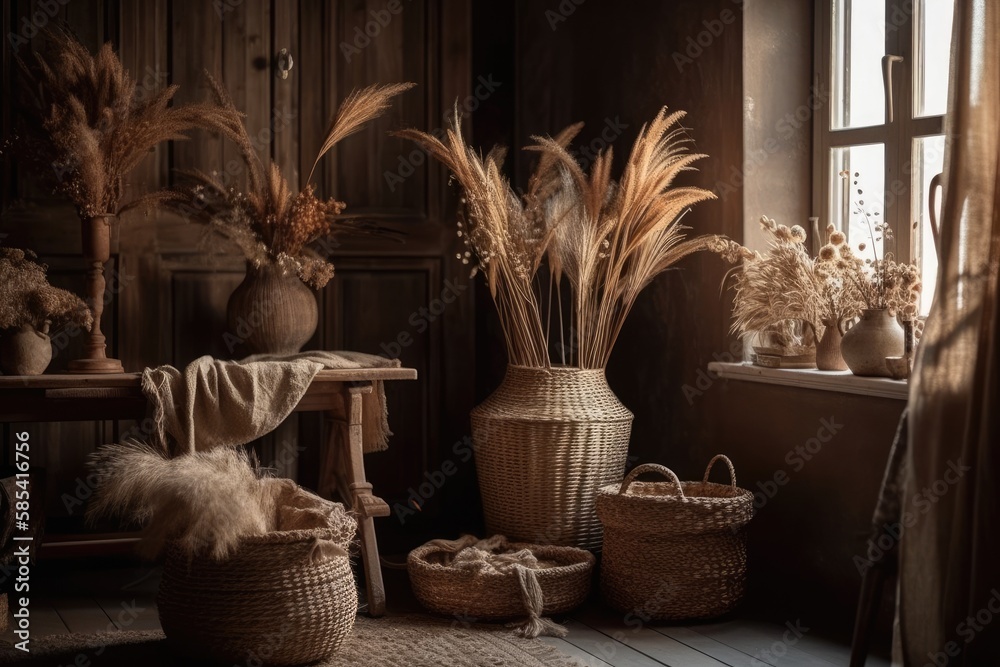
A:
(274, 602)
(564, 580)
(674, 550)
(546, 441)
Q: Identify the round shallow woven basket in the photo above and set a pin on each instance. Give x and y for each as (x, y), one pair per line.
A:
(546, 441)
(495, 596)
(674, 550)
(273, 602)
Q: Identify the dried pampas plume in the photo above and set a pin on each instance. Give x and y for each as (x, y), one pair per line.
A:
(205, 503)
(90, 124)
(270, 222)
(608, 238)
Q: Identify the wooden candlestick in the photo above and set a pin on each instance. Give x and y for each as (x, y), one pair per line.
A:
(97, 251)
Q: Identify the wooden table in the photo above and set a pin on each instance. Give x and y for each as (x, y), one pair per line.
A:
(54, 398)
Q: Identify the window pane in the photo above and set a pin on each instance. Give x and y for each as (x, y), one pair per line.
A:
(932, 49)
(857, 188)
(928, 160)
(858, 47)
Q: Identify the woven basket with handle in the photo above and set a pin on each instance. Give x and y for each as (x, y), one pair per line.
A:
(674, 550)
(546, 440)
(281, 599)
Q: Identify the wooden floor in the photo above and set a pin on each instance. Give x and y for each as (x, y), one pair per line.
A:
(123, 597)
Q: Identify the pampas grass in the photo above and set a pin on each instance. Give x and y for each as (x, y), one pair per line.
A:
(509, 234)
(608, 239)
(270, 222)
(205, 502)
(91, 126)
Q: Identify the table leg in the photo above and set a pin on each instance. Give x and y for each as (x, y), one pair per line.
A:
(366, 505)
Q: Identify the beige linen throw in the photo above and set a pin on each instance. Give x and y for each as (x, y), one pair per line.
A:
(215, 403)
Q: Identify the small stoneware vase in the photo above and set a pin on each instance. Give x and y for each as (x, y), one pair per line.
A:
(828, 356)
(25, 351)
(865, 346)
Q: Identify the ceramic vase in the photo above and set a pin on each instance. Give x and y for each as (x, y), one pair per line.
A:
(25, 351)
(865, 346)
(828, 354)
(271, 312)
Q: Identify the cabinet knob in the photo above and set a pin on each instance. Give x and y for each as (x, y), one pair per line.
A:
(284, 62)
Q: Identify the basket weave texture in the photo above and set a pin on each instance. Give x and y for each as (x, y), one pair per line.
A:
(496, 593)
(546, 440)
(280, 599)
(674, 550)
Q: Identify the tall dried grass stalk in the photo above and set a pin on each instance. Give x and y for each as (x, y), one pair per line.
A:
(608, 239)
(270, 222)
(92, 125)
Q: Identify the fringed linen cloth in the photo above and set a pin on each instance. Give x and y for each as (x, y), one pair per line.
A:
(949, 582)
(216, 403)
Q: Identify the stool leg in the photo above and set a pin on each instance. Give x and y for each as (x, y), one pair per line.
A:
(366, 505)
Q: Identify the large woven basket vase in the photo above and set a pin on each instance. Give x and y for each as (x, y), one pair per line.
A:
(546, 440)
(276, 601)
(271, 312)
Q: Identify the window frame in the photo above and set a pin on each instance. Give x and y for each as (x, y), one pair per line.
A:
(897, 136)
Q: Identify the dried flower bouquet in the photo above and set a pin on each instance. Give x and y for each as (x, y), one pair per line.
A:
(93, 124)
(787, 285)
(269, 222)
(608, 239)
(27, 298)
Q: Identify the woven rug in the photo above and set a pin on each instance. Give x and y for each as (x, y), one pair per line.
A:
(400, 641)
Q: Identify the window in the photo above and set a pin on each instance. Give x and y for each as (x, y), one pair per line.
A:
(863, 159)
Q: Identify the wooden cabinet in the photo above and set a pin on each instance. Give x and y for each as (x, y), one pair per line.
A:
(174, 280)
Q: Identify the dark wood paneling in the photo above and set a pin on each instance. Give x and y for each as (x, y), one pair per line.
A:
(247, 56)
(199, 315)
(390, 308)
(196, 46)
(397, 51)
(286, 93)
(814, 500)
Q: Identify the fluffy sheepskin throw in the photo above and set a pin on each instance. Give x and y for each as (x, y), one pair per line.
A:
(206, 502)
(217, 403)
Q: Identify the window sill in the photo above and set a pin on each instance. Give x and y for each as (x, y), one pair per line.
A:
(810, 378)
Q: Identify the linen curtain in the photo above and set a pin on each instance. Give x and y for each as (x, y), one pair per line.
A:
(949, 585)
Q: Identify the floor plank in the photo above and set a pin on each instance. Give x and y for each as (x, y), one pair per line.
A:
(574, 652)
(699, 642)
(124, 598)
(645, 640)
(45, 620)
(817, 646)
(83, 615)
(773, 645)
(131, 612)
(601, 646)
